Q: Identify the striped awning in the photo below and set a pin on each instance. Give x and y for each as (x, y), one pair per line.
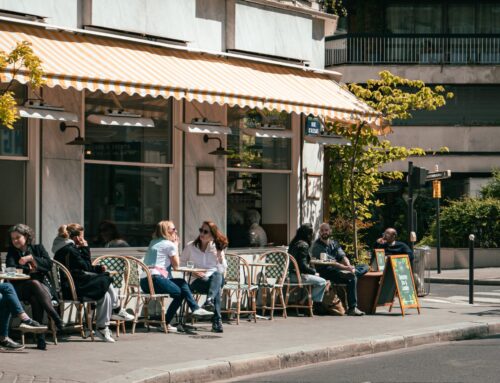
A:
(86, 61)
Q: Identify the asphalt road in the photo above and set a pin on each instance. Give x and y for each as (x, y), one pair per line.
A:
(460, 294)
(456, 362)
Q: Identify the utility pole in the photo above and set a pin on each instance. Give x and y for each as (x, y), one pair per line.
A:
(410, 203)
(436, 193)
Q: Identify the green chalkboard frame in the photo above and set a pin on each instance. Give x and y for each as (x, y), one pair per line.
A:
(392, 285)
(380, 259)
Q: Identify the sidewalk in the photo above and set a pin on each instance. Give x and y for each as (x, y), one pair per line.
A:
(247, 348)
(482, 276)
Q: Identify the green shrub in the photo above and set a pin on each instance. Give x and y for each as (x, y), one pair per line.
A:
(492, 188)
(480, 217)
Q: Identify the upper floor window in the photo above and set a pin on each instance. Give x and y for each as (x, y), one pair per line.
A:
(14, 142)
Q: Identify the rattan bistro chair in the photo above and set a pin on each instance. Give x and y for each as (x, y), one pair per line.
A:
(298, 287)
(238, 285)
(121, 267)
(272, 279)
(60, 273)
(137, 270)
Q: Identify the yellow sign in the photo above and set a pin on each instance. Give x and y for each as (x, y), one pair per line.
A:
(436, 189)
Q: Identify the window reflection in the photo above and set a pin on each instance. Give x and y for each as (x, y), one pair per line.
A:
(123, 203)
(257, 152)
(257, 209)
(129, 143)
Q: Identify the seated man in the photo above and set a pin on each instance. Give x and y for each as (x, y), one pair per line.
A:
(341, 272)
(9, 304)
(391, 246)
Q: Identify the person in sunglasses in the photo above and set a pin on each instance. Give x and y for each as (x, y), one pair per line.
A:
(163, 255)
(207, 252)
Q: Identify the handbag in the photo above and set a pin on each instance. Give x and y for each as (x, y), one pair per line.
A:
(332, 304)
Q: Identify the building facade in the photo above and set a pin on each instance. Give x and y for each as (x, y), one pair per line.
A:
(155, 87)
(446, 42)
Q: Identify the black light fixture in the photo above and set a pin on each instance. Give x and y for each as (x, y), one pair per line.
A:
(79, 140)
(220, 151)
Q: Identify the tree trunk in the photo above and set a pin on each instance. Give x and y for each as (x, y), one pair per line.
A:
(351, 183)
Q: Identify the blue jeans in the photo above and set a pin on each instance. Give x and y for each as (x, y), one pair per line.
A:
(318, 285)
(9, 304)
(177, 288)
(213, 288)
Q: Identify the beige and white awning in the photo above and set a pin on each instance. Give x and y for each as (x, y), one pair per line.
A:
(86, 61)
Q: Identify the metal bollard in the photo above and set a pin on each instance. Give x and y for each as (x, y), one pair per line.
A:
(471, 269)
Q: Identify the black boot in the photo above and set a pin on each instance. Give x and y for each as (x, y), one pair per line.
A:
(40, 342)
(217, 326)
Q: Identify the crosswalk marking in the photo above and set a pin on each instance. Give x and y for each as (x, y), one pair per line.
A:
(480, 297)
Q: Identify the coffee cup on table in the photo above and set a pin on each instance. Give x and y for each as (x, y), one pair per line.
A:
(323, 256)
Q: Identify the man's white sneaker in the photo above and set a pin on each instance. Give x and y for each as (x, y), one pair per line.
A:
(104, 334)
(122, 315)
(200, 312)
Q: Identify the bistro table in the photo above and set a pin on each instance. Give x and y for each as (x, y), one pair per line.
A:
(183, 327)
(14, 277)
(262, 277)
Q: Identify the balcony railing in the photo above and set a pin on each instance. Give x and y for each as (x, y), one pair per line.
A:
(413, 49)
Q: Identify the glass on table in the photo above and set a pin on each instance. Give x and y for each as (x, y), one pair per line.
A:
(190, 265)
(10, 271)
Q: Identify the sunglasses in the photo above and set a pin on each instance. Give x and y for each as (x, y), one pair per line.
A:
(204, 231)
(173, 229)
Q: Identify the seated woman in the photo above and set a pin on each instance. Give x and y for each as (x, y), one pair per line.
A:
(299, 248)
(91, 282)
(207, 252)
(162, 255)
(10, 305)
(35, 262)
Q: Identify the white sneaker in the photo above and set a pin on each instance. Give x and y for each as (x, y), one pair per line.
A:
(123, 315)
(104, 334)
(200, 312)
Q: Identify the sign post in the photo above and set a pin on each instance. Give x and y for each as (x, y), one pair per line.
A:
(436, 178)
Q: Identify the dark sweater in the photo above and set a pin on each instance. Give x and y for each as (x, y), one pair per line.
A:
(40, 255)
(300, 251)
(394, 249)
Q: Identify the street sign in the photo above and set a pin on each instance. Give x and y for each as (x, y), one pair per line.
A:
(438, 175)
(436, 189)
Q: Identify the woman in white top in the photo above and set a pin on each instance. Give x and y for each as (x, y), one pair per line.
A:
(162, 255)
(207, 252)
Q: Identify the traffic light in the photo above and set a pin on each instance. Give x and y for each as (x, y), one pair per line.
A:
(418, 177)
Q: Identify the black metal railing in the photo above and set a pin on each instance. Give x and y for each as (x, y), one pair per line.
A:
(413, 49)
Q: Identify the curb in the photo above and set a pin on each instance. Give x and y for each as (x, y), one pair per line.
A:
(241, 365)
(461, 281)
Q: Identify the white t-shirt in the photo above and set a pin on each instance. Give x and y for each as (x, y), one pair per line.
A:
(164, 250)
(203, 259)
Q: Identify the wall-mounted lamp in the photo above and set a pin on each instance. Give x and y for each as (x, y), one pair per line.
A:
(79, 140)
(220, 151)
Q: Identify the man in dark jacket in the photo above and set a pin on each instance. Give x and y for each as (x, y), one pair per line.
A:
(391, 246)
(339, 270)
(299, 249)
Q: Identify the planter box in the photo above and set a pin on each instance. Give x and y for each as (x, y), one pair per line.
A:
(458, 258)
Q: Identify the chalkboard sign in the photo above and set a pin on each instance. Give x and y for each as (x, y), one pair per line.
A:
(398, 279)
(380, 259)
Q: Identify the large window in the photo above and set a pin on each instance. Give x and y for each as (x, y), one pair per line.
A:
(255, 152)
(13, 159)
(126, 171)
(258, 179)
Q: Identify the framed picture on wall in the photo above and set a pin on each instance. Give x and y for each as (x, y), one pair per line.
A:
(313, 185)
(205, 181)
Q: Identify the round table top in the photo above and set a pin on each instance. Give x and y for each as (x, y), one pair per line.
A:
(320, 262)
(14, 277)
(185, 269)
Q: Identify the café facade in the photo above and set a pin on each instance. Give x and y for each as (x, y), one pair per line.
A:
(128, 131)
